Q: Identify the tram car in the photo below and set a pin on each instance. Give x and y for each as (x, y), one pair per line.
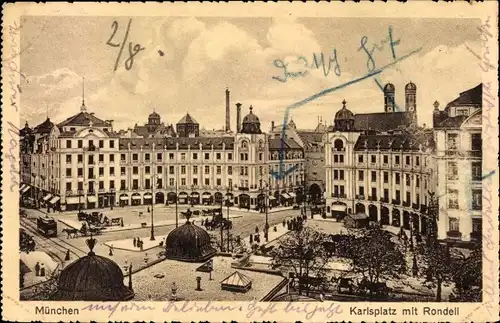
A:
(47, 226)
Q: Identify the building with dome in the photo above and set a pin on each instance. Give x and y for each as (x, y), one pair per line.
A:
(251, 123)
(189, 243)
(92, 278)
(188, 127)
(154, 128)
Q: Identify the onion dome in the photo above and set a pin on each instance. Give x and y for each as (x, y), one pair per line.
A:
(189, 243)
(410, 87)
(251, 123)
(344, 113)
(154, 115)
(92, 278)
(389, 87)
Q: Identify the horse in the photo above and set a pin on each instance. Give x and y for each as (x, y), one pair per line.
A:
(71, 233)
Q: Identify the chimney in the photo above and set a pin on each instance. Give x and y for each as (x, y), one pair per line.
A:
(238, 117)
(228, 114)
(272, 126)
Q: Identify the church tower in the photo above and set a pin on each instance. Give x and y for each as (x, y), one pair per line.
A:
(389, 101)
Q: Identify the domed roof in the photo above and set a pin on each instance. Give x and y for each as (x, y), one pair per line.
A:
(92, 278)
(251, 123)
(154, 115)
(344, 113)
(189, 243)
(411, 86)
(389, 87)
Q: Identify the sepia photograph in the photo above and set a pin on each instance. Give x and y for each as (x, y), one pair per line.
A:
(219, 158)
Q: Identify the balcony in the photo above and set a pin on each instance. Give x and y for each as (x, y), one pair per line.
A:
(102, 190)
(455, 235)
(396, 202)
(372, 198)
(476, 236)
(91, 176)
(69, 193)
(406, 203)
(423, 208)
(242, 188)
(91, 192)
(384, 199)
(415, 206)
(360, 197)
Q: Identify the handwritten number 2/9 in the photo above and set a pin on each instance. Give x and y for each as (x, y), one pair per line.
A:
(132, 49)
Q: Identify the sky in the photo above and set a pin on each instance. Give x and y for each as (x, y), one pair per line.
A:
(187, 63)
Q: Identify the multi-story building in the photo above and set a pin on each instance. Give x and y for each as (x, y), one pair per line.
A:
(459, 166)
(380, 164)
(83, 163)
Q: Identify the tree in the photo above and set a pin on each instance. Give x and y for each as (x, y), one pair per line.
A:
(468, 278)
(375, 256)
(26, 242)
(302, 251)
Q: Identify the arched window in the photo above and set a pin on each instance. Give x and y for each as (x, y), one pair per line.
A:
(244, 144)
(338, 144)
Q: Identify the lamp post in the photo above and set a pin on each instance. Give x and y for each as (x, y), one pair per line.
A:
(229, 189)
(265, 191)
(221, 227)
(111, 197)
(154, 178)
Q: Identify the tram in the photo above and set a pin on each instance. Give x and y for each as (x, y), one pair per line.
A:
(47, 226)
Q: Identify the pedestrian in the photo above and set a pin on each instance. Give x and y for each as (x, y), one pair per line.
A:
(142, 245)
(42, 270)
(37, 269)
(148, 209)
(284, 223)
(135, 242)
(67, 256)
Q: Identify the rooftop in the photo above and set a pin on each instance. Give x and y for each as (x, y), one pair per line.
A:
(381, 121)
(275, 143)
(84, 119)
(187, 119)
(471, 97)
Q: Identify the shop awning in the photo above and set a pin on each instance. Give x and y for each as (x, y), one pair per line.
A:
(72, 200)
(183, 195)
(47, 197)
(136, 197)
(339, 207)
(123, 198)
(91, 199)
(22, 187)
(54, 199)
(285, 195)
(206, 194)
(195, 193)
(272, 198)
(25, 189)
(148, 196)
(292, 194)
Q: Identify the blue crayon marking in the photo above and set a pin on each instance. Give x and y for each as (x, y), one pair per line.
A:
(281, 174)
(377, 81)
(488, 175)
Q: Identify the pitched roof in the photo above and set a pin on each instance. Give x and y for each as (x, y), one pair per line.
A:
(452, 122)
(381, 121)
(358, 216)
(275, 143)
(311, 136)
(44, 127)
(469, 97)
(84, 119)
(187, 119)
(405, 141)
(184, 143)
(237, 279)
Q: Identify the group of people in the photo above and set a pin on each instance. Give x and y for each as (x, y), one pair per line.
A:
(295, 223)
(40, 270)
(138, 243)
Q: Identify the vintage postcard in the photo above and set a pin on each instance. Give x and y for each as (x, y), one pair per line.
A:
(250, 162)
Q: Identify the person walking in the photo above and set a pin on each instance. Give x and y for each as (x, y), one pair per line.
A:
(135, 242)
(37, 269)
(42, 270)
(111, 250)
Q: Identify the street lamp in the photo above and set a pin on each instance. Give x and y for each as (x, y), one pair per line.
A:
(154, 178)
(229, 189)
(111, 197)
(221, 227)
(266, 201)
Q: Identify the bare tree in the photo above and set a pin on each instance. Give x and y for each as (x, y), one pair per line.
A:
(302, 251)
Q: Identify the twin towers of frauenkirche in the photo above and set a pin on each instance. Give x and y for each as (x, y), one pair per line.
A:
(410, 98)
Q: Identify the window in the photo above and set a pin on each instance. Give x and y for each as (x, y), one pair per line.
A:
(361, 175)
(122, 157)
(159, 157)
(476, 171)
(417, 161)
(135, 170)
(80, 143)
(80, 186)
(335, 174)
(477, 199)
(230, 170)
(398, 195)
(171, 182)
(135, 184)
(408, 197)
(243, 156)
(361, 191)
(207, 156)
(219, 169)
(195, 181)
(171, 169)
(68, 143)
(407, 160)
(417, 200)
(386, 159)
(476, 141)
(147, 157)
(462, 112)
(207, 181)
(229, 156)
(171, 156)
(123, 171)
(374, 159)
(341, 190)
(260, 156)
(111, 158)
(386, 194)
(341, 175)
(80, 172)
(183, 170)
(386, 177)
(396, 160)
(79, 159)
(68, 172)
(360, 158)
(477, 225)
(195, 156)
(101, 171)
(91, 160)
(195, 169)
(101, 158)
(101, 143)
(452, 199)
(374, 176)
(454, 224)
(68, 159)
(147, 170)
(341, 159)
(230, 182)
(111, 184)
(183, 156)
(101, 185)
(374, 193)
(111, 171)
(408, 180)
(147, 183)
(336, 159)
(452, 171)
(135, 157)
(398, 178)
(452, 141)
(207, 169)
(217, 156)
(219, 182)
(68, 187)
(111, 144)
(335, 190)
(159, 169)
(417, 181)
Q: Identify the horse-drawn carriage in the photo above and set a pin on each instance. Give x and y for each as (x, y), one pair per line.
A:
(92, 218)
(217, 221)
(84, 231)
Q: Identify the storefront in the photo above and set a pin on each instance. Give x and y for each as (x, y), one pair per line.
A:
(183, 198)
(206, 198)
(124, 200)
(91, 202)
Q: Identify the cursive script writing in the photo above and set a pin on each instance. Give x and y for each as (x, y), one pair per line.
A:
(12, 156)
(132, 49)
(13, 67)
(318, 60)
